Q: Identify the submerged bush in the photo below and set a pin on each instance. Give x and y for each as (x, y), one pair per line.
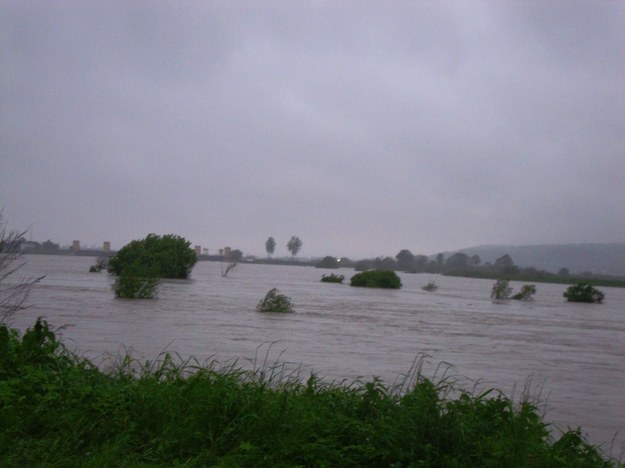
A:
(61, 410)
(501, 290)
(526, 294)
(332, 278)
(431, 286)
(376, 279)
(168, 256)
(140, 264)
(275, 302)
(583, 292)
(131, 285)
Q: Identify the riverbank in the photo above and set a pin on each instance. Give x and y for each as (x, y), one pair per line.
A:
(59, 409)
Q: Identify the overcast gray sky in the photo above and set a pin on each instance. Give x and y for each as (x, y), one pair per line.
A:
(361, 127)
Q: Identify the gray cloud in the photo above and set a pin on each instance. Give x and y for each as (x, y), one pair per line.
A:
(361, 127)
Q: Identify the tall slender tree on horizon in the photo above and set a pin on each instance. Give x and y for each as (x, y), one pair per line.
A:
(294, 245)
(270, 246)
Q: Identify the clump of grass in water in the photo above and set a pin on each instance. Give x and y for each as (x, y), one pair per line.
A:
(332, 278)
(431, 286)
(275, 302)
(59, 409)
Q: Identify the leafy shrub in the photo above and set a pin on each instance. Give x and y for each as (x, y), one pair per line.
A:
(583, 292)
(501, 290)
(526, 294)
(332, 278)
(376, 279)
(131, 285)
(275, 302)
(168, 256)
(431, 286)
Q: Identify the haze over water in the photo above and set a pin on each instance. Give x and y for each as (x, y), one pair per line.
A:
(573, 354)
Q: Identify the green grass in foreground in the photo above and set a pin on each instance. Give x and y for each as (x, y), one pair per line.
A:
(60, 410)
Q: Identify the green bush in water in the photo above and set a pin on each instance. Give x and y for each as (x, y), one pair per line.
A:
(431, 286)
(136, 283)
(376, 279)
(332, 278)
(526, 294)
(501, 290)
(583, 292)
(167, 256)
(275, 302)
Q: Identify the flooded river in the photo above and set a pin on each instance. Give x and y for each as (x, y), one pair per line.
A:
(574, 354)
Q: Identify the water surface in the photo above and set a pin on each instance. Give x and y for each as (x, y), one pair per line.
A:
(574, 352)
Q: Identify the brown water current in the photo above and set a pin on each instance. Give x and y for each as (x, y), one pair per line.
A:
(572, 356)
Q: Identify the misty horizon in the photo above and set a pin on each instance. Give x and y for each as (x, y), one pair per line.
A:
(362, 128)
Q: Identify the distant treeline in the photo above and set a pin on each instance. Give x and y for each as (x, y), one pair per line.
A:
(407, 262)
(461, 264)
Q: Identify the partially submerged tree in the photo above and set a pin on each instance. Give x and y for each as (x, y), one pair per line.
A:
(386, 279)
(136, 284)
(332, 278)
(526, 294)
(167, 256)
(501, 290)
(140, 264)
(583, 292)
(13, 294)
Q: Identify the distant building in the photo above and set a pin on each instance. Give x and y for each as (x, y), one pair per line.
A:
(76, 246)
(198, 250)
(106, 247)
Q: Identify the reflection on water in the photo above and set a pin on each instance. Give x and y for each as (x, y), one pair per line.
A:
(576, 352)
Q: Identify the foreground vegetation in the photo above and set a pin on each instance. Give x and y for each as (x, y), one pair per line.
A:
(60, 410)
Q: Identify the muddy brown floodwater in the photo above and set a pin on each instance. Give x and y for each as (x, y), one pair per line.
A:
(572, 355)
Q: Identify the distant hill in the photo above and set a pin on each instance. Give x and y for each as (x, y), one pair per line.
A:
(600, 259)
